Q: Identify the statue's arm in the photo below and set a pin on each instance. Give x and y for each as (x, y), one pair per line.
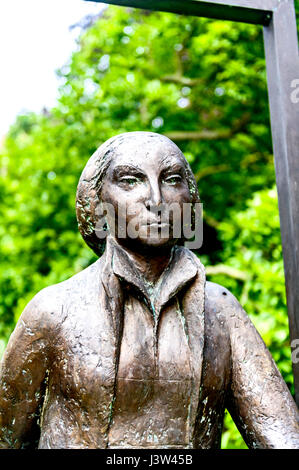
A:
(23, 373)
(259, 400)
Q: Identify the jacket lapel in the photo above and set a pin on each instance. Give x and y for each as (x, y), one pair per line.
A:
(193, 308)
(112, 302)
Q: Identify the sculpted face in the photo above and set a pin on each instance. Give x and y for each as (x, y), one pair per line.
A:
(142, 181)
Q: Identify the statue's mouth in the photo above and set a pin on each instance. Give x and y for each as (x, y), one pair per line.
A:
(156, 224)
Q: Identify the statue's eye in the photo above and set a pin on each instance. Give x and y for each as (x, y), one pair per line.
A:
(173, 179)
(130, 180)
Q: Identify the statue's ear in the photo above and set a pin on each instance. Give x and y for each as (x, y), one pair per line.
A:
(101, 228)
(89, 215)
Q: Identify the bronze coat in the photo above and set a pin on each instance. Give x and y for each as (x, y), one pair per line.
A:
(59, 383)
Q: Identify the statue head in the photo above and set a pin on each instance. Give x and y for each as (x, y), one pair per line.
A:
(127, 188)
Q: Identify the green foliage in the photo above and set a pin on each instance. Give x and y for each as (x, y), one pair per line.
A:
(231, 438)
(199, 81)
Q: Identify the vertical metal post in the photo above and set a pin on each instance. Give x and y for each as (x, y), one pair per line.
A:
(281, 48)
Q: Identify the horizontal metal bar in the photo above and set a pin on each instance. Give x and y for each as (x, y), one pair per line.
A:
(242, 11)
(262, 5)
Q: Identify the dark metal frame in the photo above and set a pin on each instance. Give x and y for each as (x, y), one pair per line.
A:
(281, 48)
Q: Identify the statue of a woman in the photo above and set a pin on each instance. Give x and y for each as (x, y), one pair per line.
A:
(138, 350)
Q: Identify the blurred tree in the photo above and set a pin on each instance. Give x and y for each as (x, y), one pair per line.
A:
(200, 82)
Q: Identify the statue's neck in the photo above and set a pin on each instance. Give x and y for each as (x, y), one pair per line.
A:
(150, 263)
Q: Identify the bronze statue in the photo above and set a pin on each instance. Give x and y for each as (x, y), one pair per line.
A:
(138, 350)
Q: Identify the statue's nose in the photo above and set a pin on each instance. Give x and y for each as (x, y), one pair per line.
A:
(155, 196)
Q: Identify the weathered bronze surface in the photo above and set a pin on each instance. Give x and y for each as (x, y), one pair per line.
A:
(138, 350)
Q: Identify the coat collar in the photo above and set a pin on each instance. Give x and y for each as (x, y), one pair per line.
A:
(181, 269)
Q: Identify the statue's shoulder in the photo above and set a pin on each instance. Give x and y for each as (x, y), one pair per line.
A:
(51, 302)
(216, 294)
(220, 302)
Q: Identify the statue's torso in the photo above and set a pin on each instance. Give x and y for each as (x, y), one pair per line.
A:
(149, 403)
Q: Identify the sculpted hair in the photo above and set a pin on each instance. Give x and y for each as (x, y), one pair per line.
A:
(88, 197)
